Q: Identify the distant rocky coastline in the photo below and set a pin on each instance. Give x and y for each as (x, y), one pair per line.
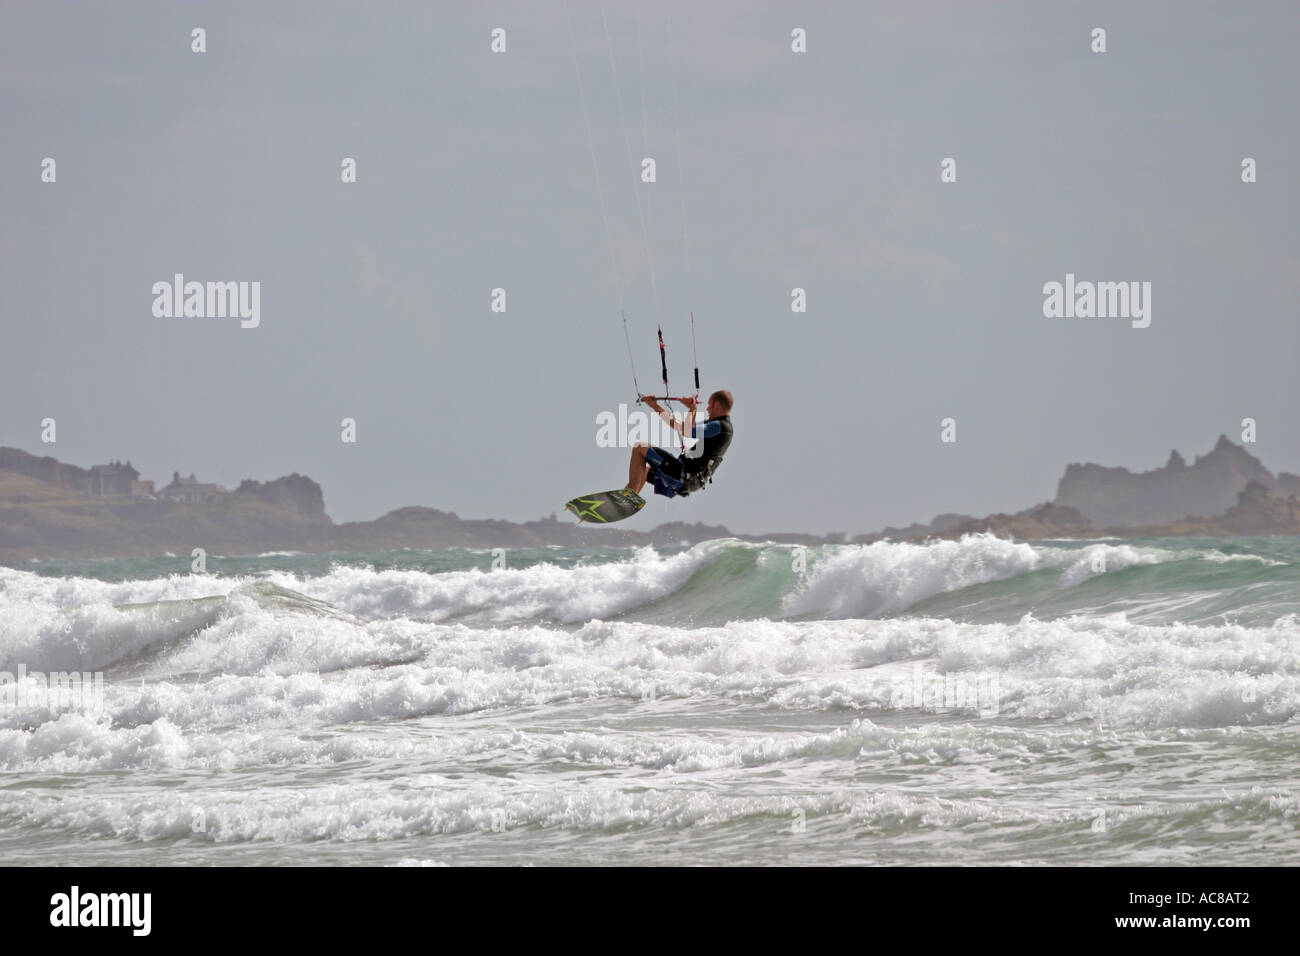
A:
(1223, 493)
(49, 509)
(1116, 497)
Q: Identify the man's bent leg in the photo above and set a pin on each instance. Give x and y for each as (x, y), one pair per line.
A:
(638, 469)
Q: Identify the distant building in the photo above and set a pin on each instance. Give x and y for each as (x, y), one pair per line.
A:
(189, 489)
(112, 479)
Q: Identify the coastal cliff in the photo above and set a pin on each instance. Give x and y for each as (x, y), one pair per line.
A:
(1117, 497)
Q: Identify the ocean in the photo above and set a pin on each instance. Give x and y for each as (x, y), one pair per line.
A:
(952, 703)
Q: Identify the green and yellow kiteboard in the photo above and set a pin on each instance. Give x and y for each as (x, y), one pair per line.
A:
(607, 506)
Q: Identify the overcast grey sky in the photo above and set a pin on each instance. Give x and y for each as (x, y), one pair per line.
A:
(817, 170)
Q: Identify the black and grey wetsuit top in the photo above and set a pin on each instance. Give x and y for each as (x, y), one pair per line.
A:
(701, 460)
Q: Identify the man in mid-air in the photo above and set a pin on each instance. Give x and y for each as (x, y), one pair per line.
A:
(690, 471)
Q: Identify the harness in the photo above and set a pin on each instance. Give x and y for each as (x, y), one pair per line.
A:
(693, 479)
(698, 480)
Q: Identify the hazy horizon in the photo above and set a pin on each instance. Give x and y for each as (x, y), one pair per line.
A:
(817, 170)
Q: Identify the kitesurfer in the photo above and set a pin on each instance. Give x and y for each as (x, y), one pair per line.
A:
(688, 472)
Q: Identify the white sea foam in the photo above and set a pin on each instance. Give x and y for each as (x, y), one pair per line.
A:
(72, 743)
(887, 576)
(431, 804)
(249, 653)
(85, 624)
(542, 591)
(1108, 671)
(77, 744)
(39, 614)
(427, 805)
(1082, 563)
(388, 710)
(1218, 557)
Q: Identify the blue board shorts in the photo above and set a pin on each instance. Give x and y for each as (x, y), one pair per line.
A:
(662, 461)
(665, 472)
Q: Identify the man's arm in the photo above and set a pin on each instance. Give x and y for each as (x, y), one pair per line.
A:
(669, 419)
(708, 430)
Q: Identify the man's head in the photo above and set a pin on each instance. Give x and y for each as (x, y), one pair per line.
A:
(720, 403)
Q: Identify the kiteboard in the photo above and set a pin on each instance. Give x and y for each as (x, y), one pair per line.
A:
(607, 506)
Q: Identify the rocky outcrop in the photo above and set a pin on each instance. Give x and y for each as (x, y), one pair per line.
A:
(293, 494)
(44, 513)
(1047, 520)
(939, 527)
(1257, 512)
(44, 469)
(1117, 497)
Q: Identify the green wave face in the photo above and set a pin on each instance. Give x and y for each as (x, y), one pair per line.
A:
(1248, 581)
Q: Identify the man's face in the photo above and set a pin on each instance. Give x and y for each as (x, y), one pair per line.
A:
(715, 408)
